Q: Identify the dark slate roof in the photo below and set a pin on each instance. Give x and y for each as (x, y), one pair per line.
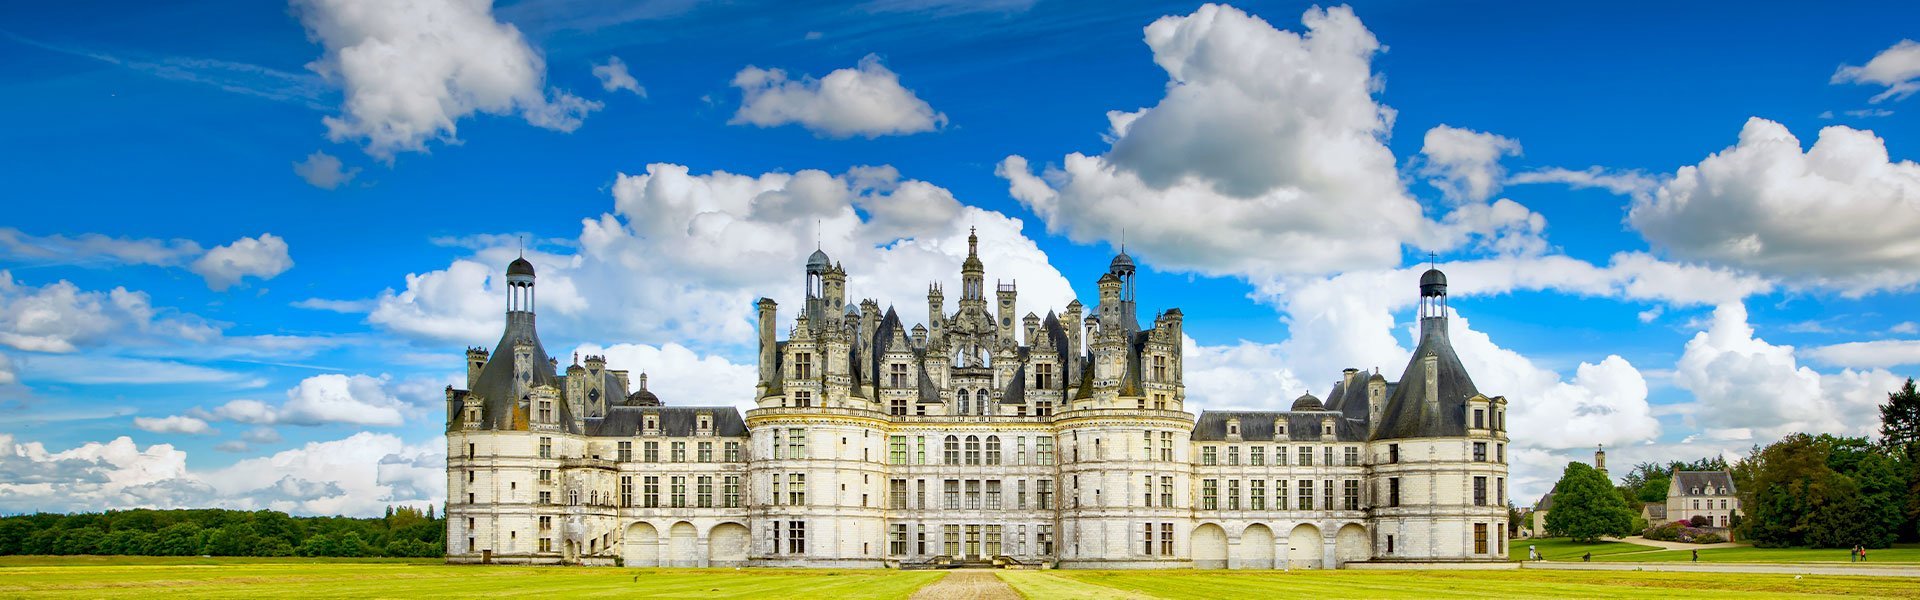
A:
(496, 386)
(1701, 479)
(1656, 512)
(1016, 391)
(1407, 414)
(1308, 402)
(1302, 426)
(1545, 503)
(675, 421)
(520, 266)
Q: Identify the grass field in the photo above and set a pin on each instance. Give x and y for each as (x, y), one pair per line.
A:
(1440, 584)
(254, 579)
(1566, 549)
(1562, 549)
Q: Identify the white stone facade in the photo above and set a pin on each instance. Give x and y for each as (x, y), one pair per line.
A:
(973, 438)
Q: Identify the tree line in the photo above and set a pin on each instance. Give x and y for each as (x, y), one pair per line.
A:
(1823, 491)
(402, 532)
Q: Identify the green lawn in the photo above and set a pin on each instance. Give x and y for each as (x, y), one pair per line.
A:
(1903, 554)
(1439, 584)
(254, 579)
(1566, 549)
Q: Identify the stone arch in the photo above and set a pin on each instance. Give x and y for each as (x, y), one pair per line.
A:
(1209, 547)
(1304, 547)
(641, 545)
(1352, 544)
(683, 545)
(727, 545)
(1256, 548)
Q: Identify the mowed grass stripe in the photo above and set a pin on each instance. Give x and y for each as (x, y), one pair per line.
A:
(1482, 584)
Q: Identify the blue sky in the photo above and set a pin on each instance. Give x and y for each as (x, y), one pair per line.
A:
(246, 242)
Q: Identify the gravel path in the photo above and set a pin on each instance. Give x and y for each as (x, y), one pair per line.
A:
(1803, 569)
(968, 584)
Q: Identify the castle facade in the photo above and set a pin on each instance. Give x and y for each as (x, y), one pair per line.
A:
(979, 437)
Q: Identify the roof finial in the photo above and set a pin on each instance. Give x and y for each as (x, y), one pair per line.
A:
(816, 234)
(523, 245)
(1433, 260)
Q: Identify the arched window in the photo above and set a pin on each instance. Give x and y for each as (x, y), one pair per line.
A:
(973, 450)
(982, 403)
(573, 497)
(993, 449)
(953, 451)
(961, 400)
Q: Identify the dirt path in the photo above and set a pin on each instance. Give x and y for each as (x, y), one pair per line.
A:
(1800, 569)
(968, 584)
(1680, 545)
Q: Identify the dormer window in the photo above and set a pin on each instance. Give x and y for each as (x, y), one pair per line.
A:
(1696, 491)
(473, 415)
(706, 423)
(653, 424)
(1279, 429)
(1233, 427)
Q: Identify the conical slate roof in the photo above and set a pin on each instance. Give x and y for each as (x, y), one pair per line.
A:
(1408, 413)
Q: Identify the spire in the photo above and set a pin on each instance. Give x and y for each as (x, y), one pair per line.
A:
(973, 243)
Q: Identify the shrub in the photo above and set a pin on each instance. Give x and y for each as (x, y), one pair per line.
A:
(1699, 521)
(1708, 538)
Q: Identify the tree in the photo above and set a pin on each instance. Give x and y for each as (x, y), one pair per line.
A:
(1586, 507)
(1900, 416)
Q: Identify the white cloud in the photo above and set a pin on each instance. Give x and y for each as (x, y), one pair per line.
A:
(93, 369)
(94, 247)
(1870, 112)
(1265, 158)
(339, 306)
(1241, 376)
(173, 424)
(613, 76)
(1741, 381)
(411, 69)
(695, 251)
(1905, 327)
(1840, 214)
(1465, 164)
(263, 257)
(1623, 183)
(1868, 355)
(261, 435)
(7, 376)
(324, 171)
(324, 399)
(948, 7)
(679, 376)
(865, 100)
(359, 476)
(60, 317)
(1897, 68)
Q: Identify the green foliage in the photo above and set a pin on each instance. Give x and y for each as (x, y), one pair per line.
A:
(1900, 416)
(1586, 507)
(403, 532)
(1827, 492)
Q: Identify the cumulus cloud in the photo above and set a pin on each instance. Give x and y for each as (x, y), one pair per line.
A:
(1840, 214)
(1265, 158)
(324, 399)
(411, 69)
(1868, 355)
(1741, 382)
(263, 257)
(1897, 68)
(1240, 376)
(1623, 183)
(60, 317)
(7, 376)
(97, 248)
(358, 476)
(324, 171)
(1465, 164)
(866, 100)
(173, 424)
(680, 376)
(614, 77)
(695, 251)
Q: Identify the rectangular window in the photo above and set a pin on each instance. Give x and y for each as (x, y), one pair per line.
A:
(731, 491)
(1479, 452)
(1044, 535)
(1352, 456)
(703, 491)
(1326, 456)
(546, 476)
(626, 491)
(1393, 491)
(1166, 492)
(950, 540)
(705, 452)
(920, 450)
(953, 494)
(1020, 494)
(1043, 376)
(1326, 494)
(796, 489)
(1479, 538)
(973, 494)
(679, 452)
(1149, 493)
(679, 492)
(650, 491)
(993, 494)
(1233, 494)
(1393, 453)
(973, 540)
(1279, 494)
(733, 452)
(775, 530)
(796, 443)
(1306, 456)
(803, 365)
(1257, 456)
(1500, 492)
(1043, 495)
(650, 452)
(774, 480)
(1480, 492)
(1479, 418)
(1256, 495)
(1160, 368)
(920, 546)
(897, 450)
(897, 375)
(1500, 453)
(897, 494)
(1279, 455)
(1306, 495)
(546, 447)
(1210, 494)
(1209, 456)
(625, 453)
(796, 537)
(1350, 494)
(897, 539)
(1043, 450)
(1233, 456)
(1166, 446)
(1166, 539)
(1146, 538)
(993, 541)
(920, 494)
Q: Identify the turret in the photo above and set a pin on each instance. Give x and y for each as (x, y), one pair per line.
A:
(1075, 350)
(768, 312)
(1007, 294)
(972, 274)
(1600, 459)
(476, 359)
(920, 337)
(1032, 326)
(833, 289)
(936, 309)
(1433, 300)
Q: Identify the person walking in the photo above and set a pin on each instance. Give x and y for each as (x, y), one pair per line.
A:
(1588, 557)
(1863, 554)
(1696, 556)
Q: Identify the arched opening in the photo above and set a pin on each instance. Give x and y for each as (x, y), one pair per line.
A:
(1352, 544)
(1303, 547)
(727, 545)
(1256, 548)
(1209, 547)
(642, 546)
(683, 547)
